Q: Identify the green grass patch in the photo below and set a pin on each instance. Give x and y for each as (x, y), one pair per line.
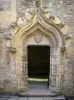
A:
(37, 79)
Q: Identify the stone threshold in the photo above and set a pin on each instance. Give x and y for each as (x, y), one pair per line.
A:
(37, 95)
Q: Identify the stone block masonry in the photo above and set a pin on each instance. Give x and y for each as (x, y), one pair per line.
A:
(9, 13)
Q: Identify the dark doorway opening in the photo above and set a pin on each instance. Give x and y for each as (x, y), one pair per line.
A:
(38, 65)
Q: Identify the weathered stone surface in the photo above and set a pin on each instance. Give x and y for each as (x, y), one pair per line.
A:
(5, 5)
(9, 74)
(22, 98)
(47, 98)
(35, 98)
(13, 98)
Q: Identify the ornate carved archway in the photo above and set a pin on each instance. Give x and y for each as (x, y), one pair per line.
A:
(37, 28)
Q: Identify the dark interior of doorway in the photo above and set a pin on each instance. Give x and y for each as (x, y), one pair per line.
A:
(38, 65)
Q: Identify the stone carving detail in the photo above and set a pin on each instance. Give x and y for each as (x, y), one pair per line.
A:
(63, 49)
(38, 37)
(67, 36)
(13, 50)
(61, 25)
(30, 15)
(14, 25)
(40, 24)
(37, 3)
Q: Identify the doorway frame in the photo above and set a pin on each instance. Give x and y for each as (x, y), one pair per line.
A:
(56, 42)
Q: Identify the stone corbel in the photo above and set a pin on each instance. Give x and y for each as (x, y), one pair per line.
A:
(13, 50)
(63, 49)
(63, 27)
(67, 39)
(8, 36)
(0, 39)
(67, 36)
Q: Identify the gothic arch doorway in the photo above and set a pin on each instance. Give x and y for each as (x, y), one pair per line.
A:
(39, 31)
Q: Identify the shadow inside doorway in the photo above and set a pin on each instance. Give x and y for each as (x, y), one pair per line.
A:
(38, 67)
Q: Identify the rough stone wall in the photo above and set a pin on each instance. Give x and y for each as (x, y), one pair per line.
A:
(64, 9)
(7, 66)
(5, 5)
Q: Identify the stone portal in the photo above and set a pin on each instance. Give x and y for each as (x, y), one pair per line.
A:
(39, 32)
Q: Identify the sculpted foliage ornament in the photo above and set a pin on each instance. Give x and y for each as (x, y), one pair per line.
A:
(14, 25)
(51, 17)
(61, 25)
(31, 14)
